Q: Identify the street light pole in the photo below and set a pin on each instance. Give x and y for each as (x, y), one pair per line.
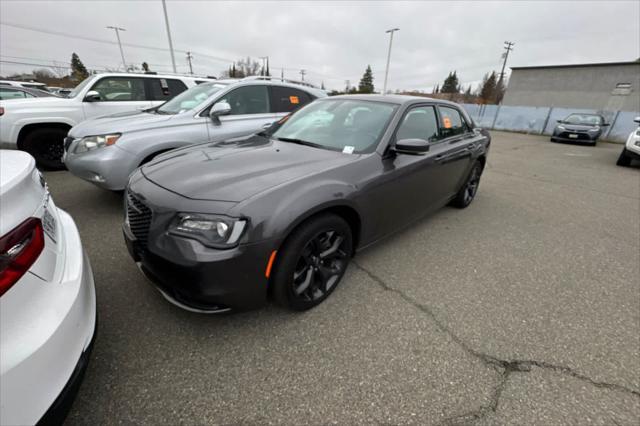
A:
(386, 72)
(166, 21)
(117, 30)
(189, 58)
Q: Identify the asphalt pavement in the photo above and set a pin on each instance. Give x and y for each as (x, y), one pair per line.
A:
(522, 309)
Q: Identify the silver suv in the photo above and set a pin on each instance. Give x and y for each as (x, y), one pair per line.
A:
(105, 150)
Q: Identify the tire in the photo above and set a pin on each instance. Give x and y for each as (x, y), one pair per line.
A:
(302, 279)
(623, 159)
(552, 139)
(468, 191)
(46, 145)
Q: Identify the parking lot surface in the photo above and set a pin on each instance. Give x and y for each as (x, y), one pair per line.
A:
(522, 309)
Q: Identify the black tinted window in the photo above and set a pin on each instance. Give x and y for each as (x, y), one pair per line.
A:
(120, 89)
(287, 99)
(248, 100)
(163, 89)
(451, 123)
(419, 123)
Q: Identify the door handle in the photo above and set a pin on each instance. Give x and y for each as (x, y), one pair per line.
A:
(266, 125)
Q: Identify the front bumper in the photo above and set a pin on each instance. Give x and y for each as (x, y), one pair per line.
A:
(580, 137)
(41, 355)
(188, 273)
(107, 167)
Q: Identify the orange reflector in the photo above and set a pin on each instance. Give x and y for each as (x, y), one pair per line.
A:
(270, 264)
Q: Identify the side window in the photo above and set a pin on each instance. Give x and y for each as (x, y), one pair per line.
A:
(11, 94)
(163, 89)
(419, 123)
(120, 89)
(452, 123)
(248, 100)
(287, 99)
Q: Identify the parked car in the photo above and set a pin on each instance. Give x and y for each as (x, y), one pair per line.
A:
(47, 299)
(27, 84)
(219, 226)
(15, 92)
(631, 150)
(39, 126)
(105, 150)
(584, 128)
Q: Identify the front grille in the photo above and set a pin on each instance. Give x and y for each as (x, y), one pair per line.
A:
(581, 136)
(139, 218)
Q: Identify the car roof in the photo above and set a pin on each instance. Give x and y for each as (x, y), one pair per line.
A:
(275, 82)
(394, 99)
(145, 75)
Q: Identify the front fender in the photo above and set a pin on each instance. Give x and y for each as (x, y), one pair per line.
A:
(276, 213)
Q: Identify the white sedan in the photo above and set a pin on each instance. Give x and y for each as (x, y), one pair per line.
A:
(631, 150)
(47, 299)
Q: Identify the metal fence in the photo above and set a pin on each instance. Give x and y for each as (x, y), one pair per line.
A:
(542, 120)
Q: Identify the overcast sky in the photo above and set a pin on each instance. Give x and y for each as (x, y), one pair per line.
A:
(333, 41)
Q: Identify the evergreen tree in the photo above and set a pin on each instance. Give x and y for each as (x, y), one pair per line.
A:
(468, 96)
(78, 70)
(366, 82)
(437, 89)
(488, 88)
(322, 86)
(145, 66)
(450, 84)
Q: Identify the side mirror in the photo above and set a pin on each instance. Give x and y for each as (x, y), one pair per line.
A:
(605, 125)
(92, 96)
(560, 121)
(218, 109)
(637, 120)
(411, 146)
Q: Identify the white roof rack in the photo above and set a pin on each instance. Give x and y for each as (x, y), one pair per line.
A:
(270, 77)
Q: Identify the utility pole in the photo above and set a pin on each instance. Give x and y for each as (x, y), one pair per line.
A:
(117, 30)
(302, 73)
(282, 74)
(508, 47)
(189, 58)
(348, 82)
(166, 21)
(386, 72)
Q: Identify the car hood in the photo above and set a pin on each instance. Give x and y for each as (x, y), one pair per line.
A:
(129, 121)
(236, 170)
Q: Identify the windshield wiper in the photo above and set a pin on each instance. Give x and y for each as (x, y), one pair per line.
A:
(301, 142)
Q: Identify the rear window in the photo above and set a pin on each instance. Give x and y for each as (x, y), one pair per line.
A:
(162, 89)
(287, 99)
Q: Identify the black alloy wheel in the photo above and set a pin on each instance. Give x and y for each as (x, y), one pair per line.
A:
(467, 193)
(312, 262)
(46, 145)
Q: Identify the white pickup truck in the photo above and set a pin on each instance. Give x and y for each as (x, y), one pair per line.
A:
(40, 125)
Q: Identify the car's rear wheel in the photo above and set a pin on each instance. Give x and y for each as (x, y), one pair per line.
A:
(624, 159)
(312, 262)
(46, 145)
(468, 191)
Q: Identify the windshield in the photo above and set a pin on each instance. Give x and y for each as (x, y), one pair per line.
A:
(584, 119)
(79, 88)
(350, 126)
(190, 99)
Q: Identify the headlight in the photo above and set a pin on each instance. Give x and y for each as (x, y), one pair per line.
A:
(90, 143)
(561, 127)
(212, 231)
(638, 132)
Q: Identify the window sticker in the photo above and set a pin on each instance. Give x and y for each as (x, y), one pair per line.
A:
(447, 122)
(348, 149)
(294, 99)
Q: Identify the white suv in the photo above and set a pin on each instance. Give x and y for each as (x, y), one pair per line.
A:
(39, 126)
(47, 299)
(631, 150)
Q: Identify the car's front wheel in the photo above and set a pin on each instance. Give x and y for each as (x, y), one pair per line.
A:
(311, 262)
(624, 159)
(46, 145)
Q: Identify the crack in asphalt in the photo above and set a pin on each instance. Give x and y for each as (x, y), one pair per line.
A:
(504, 367)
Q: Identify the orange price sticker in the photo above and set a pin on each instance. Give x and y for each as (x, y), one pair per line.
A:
(294, 99)
(447, 123)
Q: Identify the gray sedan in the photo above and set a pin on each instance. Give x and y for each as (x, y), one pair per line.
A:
(106, 150)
